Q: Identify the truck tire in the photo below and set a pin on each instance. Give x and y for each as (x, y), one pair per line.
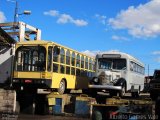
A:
(97, 115)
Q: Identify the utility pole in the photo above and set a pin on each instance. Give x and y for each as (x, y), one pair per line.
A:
(16, 12)
(148, 70)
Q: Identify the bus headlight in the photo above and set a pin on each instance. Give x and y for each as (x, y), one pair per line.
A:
(95, 80)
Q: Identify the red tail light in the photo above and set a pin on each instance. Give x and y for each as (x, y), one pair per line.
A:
(28, 81)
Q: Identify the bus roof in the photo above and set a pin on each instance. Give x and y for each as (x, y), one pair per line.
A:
(42, 42)
(122, 55)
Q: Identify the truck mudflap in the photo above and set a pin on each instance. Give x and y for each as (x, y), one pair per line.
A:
(108, 87)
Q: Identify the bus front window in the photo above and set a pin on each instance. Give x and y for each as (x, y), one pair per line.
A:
(30, 58)
(104, 64)
(117, 64)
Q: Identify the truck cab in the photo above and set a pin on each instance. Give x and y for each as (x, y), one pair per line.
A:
(155, 85)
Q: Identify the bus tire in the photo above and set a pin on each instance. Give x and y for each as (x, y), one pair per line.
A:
(62, 87)
(134, 94)
(123, 91)
(138, 93)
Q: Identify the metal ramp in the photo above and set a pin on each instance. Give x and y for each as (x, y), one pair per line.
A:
(5, 39)
(21, 31)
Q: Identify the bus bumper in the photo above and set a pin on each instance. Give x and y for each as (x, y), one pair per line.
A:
(108, 87)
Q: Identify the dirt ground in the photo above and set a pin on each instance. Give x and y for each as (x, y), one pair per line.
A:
(49, 117)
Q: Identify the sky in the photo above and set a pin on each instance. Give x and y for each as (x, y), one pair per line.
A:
(92, 26)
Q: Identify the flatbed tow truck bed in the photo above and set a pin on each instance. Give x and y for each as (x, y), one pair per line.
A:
(124, 109)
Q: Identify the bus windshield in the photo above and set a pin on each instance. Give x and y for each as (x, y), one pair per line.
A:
(30, 58)
(107, 63)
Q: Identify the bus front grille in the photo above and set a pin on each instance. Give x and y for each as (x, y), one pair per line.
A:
(103, 80)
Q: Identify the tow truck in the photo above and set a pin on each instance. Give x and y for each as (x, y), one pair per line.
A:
(154, 84)
(8, 95)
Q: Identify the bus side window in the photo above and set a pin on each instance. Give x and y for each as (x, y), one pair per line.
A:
(73, 71)
(82, 62)
(78, 61)
(90, 64)
(62, 53)
(55, 54)
(68, 57)
(131, 66)
(55, 68)
(86, 63)
(73, 58)
(49, 64)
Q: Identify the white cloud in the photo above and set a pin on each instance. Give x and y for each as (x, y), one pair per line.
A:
(94, 53)
(157, 59)
(119, 38)
(156, 53)
(90, 53)
(52, 13)
(80, 22)
(2, 17)
(65, 18)
(101, 18)
(140, 21)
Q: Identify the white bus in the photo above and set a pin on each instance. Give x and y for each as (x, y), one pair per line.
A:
(118, 72)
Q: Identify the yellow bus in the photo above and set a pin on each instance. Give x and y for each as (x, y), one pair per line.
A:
(48, 65)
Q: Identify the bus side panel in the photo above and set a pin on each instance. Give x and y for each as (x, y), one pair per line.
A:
(57, 77)
(71, 81)
(134, 78)
(137, 80)
(27, 75)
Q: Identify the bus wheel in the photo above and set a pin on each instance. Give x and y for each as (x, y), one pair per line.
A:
(62, 87)
(123, 91)
(138, 93)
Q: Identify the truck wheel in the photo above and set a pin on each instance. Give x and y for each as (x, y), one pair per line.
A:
(62, 87)
(97, 115)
